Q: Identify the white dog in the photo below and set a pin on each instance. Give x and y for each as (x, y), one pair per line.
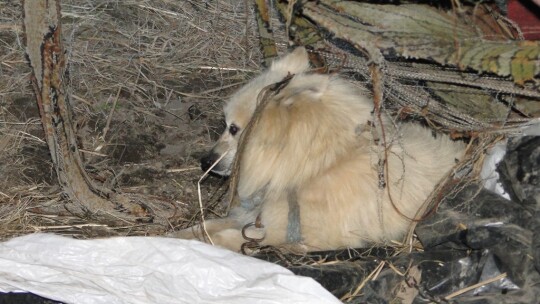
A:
(310, 172)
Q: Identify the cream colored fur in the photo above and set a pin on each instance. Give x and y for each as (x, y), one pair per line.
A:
(314, 140)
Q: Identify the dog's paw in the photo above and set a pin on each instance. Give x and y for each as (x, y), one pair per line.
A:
(186, 234)
(294, 248)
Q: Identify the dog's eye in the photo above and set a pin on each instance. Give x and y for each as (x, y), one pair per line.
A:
(233, 129)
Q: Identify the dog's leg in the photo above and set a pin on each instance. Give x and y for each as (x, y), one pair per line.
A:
(225, 232)
(212, 226)
(233, 239)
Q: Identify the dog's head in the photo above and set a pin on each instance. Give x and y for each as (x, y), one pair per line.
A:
(239, 109)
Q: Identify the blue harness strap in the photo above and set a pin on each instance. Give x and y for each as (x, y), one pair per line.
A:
(294, 233)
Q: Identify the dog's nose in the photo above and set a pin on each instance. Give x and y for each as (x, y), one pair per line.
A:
(207, 162)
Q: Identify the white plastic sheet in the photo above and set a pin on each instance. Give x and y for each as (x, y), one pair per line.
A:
(146, 270)
(495, 154)
(489, 173)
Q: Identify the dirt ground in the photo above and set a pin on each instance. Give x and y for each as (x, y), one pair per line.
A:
(147, 84)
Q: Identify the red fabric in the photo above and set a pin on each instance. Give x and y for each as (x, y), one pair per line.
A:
(527, 15)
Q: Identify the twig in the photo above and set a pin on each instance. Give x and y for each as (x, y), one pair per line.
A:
(107, 125)
(203, 223)
(263, 98)
(181, 169)
(42, 228)
(33, 122)
(215, 68)
(372, 275)
(93, 153)
(485, 282)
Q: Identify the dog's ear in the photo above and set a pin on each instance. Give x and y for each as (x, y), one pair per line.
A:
(310, 88)
(295, 62)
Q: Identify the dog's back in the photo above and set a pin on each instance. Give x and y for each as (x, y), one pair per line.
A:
(345, 197)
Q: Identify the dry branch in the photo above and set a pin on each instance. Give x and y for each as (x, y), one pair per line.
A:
(266, 39)
(48, 61)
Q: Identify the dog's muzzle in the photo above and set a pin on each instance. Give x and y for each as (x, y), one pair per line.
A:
(208, 160)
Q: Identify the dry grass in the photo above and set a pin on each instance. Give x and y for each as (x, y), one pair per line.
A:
(147, 80)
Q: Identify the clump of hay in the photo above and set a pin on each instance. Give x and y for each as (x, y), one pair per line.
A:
(147, 80)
